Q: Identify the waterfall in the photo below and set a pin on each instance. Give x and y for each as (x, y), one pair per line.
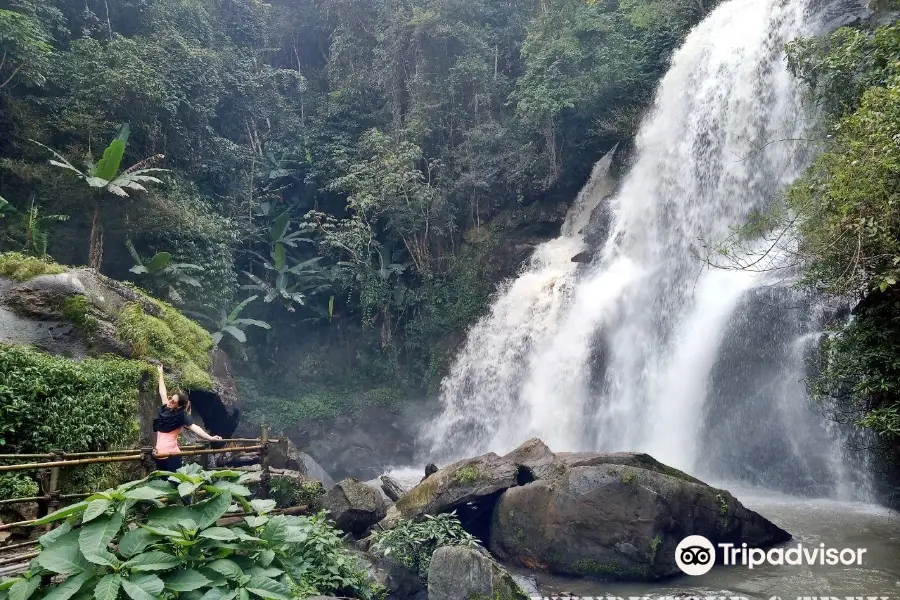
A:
(649, 349)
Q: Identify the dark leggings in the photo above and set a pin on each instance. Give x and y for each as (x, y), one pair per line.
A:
(172, 463)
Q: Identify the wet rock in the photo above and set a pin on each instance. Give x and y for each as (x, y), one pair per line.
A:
(285, 455)
(612, 515)
(458, 573)
(616, 521)
(354, 506)
(400, 582)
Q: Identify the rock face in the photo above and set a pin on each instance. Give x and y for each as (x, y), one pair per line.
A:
(75, 314)
(608, 515)
(284, 455)
(354, 506)
(396, 578)
(458, 573)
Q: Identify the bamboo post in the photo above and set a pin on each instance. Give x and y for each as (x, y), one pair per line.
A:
(53, 492)
(147, 465)
(264, 476)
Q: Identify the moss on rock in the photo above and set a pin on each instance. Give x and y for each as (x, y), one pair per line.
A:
(20, 267)
(172, 338)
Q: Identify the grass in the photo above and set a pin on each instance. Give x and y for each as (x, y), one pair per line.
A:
(77, 309)
(20, 267)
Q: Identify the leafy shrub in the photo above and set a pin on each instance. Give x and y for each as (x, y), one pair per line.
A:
(288, 492)
(157, 538)
(51, 402)
(414, 542)
(18, 485)
(22, 268)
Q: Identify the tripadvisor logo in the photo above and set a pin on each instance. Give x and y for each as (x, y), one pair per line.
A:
(696, 555)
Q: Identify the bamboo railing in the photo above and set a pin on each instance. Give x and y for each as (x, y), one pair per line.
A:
(55, 460)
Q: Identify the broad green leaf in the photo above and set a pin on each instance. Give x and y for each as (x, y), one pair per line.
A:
(215, 593)
(148, 582)
(243, 594)
(159, 262)
(244, 536)
(266, 557)
(235, 489)
(162, 531)
(135, 591)
(136, 541)
(69, 587)
(49, 538)
(94, 537)
(256, 521)
(275, 530)
(146, 493)
(8, 582)
(235, 333)
(108, 166)
(279, 256)
(187, 488)
(63, 556)
(215, 578)
(270, 572)
(103, 557)
(219, 533)
(269, 589)
(226, 567)
(185, 580)
(62, 513)
(95, 509)
(279, 226)
(263, 506)
(108, 588)
(153, 561)
(226, 474)
(24, 588)
(209, 511)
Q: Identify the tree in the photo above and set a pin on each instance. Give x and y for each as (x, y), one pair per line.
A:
(104, 176)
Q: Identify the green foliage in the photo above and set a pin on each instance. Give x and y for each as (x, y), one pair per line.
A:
(171, 338)
(232, 323)
(18, 485)
(287, 492)
(19, 267)
(26, 43)
(413, 542)
(164, 272)
(78, 406)
(847, 215)
(316, 404)
(158, 538)
(77, 309)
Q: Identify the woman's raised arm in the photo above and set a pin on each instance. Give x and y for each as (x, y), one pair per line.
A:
(163, 393)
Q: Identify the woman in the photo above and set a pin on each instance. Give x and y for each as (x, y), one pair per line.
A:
(173, 415)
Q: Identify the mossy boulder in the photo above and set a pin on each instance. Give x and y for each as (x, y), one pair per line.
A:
(618, 522)
(460, 573)
(613, 515)
(77, 313)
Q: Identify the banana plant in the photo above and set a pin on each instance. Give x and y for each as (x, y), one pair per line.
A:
(231, 322)
(163, 270)
(105, 176)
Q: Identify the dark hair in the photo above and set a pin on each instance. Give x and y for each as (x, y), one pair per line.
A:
(184, 401)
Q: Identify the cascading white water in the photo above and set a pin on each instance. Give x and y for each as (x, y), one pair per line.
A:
(649, 350)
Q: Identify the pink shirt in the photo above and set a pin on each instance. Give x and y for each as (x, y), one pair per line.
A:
(167, 443)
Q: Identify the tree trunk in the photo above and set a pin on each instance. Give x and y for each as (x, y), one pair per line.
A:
(95, 251)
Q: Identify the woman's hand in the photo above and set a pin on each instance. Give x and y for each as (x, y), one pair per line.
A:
(215, 438)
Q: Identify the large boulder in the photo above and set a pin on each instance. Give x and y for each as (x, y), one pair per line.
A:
(618, 522)
(399, 581)
(354, 506)
(461, 573)
(612, 515)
